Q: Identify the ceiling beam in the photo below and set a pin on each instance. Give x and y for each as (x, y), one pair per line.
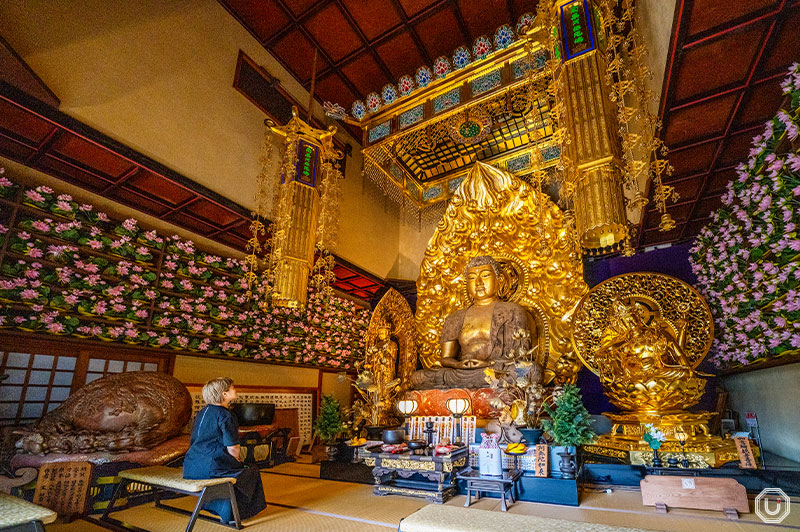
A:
(768, 43)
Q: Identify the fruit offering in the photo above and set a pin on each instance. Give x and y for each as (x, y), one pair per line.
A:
(357, 442)
(516, 448)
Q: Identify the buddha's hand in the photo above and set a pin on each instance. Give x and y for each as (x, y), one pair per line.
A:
(471, 363)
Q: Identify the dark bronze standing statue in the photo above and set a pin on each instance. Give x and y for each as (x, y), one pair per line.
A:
(479, 336)
(121, 412)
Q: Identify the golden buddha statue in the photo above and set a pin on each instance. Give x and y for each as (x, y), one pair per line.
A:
(479, 336)
(385, 356)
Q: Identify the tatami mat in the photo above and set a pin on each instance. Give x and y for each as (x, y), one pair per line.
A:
(299, 503)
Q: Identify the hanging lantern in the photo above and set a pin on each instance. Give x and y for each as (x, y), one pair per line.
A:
(305, 210)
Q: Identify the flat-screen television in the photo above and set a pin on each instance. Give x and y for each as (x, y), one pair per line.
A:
(249, 414)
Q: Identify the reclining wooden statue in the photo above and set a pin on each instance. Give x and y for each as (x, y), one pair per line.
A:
(118, 413)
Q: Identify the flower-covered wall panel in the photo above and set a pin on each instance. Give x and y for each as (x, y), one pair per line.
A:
(67, 269)
(747, 260)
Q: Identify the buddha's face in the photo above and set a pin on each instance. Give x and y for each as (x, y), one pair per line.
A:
(383, 333)
(481, 282)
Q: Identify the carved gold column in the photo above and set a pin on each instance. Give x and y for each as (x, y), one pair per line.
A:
(591, 123)
(297, 253)
(306, 165)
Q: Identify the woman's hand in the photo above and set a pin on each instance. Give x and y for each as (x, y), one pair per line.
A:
(234, 450)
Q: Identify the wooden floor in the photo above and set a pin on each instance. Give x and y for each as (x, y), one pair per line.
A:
(299, 501)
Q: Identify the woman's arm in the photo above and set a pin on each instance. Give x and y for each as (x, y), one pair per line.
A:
(233, 450)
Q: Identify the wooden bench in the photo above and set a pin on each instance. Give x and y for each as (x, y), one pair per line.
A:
(19, 515)
(171, 479)
(444, 518)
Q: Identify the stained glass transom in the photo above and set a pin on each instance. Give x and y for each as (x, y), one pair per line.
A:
(379, 131)
(486, 82)
(411, 117)
(432, 193)
(447, 100)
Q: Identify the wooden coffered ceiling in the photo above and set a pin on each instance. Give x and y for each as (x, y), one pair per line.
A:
(722, 80)
(365, 44)
(37, 135)
(722, 83)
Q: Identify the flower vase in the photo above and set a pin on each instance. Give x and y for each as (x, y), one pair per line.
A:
(332, 451)
(531, 435)
(656, 459)
(567, 465)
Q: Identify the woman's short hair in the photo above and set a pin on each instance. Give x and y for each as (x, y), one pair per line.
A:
(213, 389)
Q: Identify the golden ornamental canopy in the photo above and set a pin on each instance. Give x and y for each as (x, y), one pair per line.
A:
(495, 213)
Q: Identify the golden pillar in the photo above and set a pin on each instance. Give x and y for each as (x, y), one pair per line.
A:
(297, 253)
(306, 159)
(591, 122)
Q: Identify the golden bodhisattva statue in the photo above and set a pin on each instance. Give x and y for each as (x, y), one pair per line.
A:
(644, 334)
(383, 365)
(479, 336)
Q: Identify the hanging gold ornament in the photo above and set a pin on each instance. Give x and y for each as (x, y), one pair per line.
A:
(305, 207)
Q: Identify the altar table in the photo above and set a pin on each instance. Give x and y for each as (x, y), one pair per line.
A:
(430, 477)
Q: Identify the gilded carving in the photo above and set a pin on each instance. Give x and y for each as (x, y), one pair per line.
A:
(495, 213)
(416, 465)
(644, 334)
(393, 312)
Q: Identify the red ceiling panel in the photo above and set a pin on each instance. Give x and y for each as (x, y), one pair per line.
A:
(299, 6)
(333, 33)
(215, 214)
(401, 55)
(654, 236)
(694, 226)
(412, 7)
(436, 41)
(263, 18)
(689, 161)
(151, 184)
(736, 149)
(680, 213)
(707, 14)
(713, 98)
(718, 181)
(718, 63)
(787, 45)
(365, 74)
(483, 21)
(362, 282)
(137, 201)
(345, 287)
(707, 206)
(72, 174)
(189, 221)
(242, 231)
(92, 155)
(343, 273)
(297, 53)
(687, 189)
(333, 88)
(759, 105)
(14, 150)
(23, 123)
(231, 240)
(373, 17)
(713, 114)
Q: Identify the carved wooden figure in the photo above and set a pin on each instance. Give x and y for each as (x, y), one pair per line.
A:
(121, 412)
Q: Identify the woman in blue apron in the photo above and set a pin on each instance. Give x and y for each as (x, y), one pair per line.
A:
(214, 453)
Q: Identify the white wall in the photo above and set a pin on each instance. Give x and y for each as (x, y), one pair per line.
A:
(157, 75)
(770, 393)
